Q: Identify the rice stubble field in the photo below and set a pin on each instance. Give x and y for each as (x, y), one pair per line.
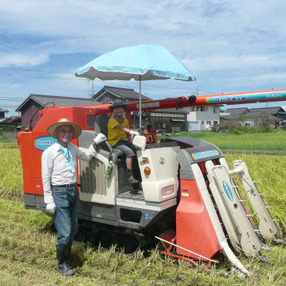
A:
(27, 248)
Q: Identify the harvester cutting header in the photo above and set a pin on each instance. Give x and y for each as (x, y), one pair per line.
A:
(186, 197)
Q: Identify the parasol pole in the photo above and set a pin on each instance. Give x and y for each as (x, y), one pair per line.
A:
(140, 114)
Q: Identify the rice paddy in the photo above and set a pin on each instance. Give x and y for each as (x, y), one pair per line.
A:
(27, 248)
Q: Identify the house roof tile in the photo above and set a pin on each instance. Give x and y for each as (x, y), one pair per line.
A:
(60, 101)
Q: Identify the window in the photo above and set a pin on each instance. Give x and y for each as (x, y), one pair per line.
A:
(202, 108)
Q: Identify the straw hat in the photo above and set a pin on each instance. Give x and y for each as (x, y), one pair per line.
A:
(117, 103)
(64, 122)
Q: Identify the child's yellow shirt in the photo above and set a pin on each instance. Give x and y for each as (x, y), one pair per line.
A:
(114, 133)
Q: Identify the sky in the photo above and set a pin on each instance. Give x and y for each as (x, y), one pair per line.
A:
(229, 45)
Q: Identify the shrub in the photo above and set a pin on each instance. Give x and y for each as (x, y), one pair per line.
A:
(226, 126)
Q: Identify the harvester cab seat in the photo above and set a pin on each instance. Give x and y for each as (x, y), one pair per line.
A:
(101, 126)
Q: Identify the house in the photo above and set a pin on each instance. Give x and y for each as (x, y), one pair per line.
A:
(201, 118)
(163, 120)
(255, 117)
(236, 116)
(2, 113)
(109, 93)
(168, 120)
(9, 125)
(35, 102)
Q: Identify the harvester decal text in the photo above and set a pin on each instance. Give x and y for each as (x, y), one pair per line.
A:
(205, 154)
(41, 143)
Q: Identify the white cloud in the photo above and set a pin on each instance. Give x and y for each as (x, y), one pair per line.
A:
(22, 60)
(188, 28)
(227, 44)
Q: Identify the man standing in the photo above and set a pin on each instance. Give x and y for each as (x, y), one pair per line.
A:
(60, 184)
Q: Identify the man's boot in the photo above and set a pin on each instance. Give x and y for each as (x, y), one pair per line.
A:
(69, 246)
(130, 178)
(63, 266)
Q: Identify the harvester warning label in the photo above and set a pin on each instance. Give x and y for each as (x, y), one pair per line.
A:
(149, 105)
(41, 143)
(147, 215)
(205, 154)
(144, 161)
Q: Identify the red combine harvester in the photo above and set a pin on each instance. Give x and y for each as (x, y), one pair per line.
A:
(187, 197)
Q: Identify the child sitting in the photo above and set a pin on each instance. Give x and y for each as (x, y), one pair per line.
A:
(118, 127)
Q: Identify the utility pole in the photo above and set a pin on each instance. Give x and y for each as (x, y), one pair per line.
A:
(92, 83)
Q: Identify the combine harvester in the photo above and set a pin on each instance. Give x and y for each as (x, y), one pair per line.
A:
(187, 196)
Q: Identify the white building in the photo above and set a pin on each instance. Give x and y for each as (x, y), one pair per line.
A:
(202, 117)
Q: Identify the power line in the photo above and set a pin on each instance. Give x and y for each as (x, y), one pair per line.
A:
(33, 70)
(12, 99)
(34, 74)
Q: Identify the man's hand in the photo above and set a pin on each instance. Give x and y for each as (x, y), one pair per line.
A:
(99, 138)
(51, 208)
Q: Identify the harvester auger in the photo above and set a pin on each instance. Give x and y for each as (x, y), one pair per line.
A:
(187, 196)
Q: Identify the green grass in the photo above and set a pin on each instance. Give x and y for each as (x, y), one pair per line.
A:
(5, 138)
(27, 249)
(262, 141)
